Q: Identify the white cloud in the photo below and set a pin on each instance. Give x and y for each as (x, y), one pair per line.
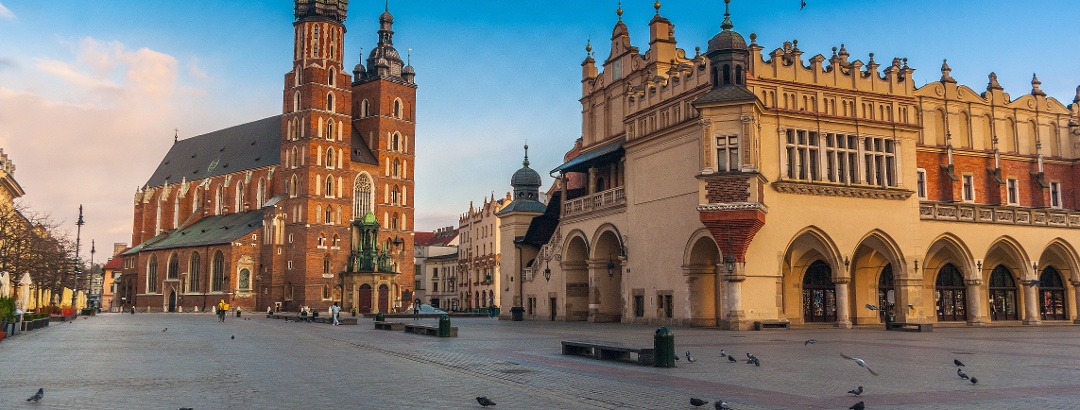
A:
(5, 13)
(89, 130)
(195, 70)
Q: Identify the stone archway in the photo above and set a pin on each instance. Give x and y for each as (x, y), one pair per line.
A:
(703, 281)
(575, 269)
(1004, 267)
(1058, 298)
(946, 278)
(874, 272)
(812, 247)
(605, 279)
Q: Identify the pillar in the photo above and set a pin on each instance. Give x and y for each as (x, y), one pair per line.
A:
(1076, 300)
(843, 308)
(1031, 304)
(732, 296)
(974, 299)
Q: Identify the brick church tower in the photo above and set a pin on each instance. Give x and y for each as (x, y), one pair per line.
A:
(346, 152)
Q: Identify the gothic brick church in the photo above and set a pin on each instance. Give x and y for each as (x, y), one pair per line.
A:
(303, 209)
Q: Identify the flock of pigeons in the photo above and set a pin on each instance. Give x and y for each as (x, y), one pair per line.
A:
(856, 392)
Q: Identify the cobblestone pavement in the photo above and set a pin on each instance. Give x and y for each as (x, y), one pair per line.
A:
(122, 361)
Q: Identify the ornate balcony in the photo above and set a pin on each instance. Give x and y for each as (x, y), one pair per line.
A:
(999, 215)
(611, 198)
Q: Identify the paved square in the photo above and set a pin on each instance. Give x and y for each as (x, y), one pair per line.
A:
(123, 361)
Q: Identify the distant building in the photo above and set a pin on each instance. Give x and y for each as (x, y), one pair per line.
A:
(427, 247)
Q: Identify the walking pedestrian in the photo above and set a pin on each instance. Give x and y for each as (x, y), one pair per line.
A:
(334, 310)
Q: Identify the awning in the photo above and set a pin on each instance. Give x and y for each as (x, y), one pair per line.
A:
(582, 162)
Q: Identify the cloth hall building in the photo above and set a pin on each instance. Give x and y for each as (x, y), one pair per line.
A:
(743, 184)
(303, 209)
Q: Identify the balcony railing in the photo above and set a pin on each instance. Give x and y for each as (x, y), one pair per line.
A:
(999, 215)
(601, 200)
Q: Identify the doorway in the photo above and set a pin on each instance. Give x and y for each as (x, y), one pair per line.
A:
(172, 301)
(554, 308)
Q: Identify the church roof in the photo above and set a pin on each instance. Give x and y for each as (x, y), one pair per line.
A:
(523, 205)
(246, 146)
(361, 152)
(211, 230)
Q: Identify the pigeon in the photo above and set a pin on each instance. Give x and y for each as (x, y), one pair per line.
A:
(871, 307)
(757, 362)
(856, 391)
(750, 358)
(696, 402)
(962, 374)
(37, 396)
(690, 358)
(484, 401)
(676, 358)
(860, 362)
(165, 329)
(722, 405)
(809, 342)
(958, 363)
(974, 380)
(731, 359)
(232, 337)
(722, 354)
(858, 406)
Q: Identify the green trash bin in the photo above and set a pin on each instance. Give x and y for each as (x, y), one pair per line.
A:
(380, 317)
(444, 326)
(664, 348)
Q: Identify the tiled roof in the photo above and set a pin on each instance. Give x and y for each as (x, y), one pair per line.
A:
(727, 93)
(523, 205)
(234, 149)
(360, 151)
(211, 230)
(115, 263)
(440, 237)
(451, 256)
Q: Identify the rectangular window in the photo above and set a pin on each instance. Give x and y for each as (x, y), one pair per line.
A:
(434, 286)
(1055, 195)
(727, 153)
(669, 311)
(836, 158)
(969, 188)
(920, 176)
(1014, 191)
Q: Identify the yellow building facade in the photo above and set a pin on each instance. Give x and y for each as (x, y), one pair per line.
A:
(741, 185)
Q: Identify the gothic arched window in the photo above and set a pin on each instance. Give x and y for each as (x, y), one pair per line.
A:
(362, 192)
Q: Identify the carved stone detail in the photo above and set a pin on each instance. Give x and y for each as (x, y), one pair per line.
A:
(807, 188)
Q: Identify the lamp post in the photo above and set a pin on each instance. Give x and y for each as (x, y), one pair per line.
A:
(75, 282)
(90, 277)
(610, 266)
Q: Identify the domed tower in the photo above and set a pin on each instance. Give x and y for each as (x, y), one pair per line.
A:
(316, 126)
(526, 181)
(728, 55)
(384, 124)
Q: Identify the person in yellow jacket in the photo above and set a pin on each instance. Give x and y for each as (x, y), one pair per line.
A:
(222, 308)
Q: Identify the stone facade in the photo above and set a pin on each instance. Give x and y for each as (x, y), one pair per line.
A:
(744, 185)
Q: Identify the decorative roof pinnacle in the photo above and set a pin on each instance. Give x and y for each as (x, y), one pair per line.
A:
(1035, 83)
(945, 70)
(619, 10)
(657, 7)
(993, 83)
(526, 161)
(726, 25)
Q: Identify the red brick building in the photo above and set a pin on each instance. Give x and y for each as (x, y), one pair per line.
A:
(267, 213)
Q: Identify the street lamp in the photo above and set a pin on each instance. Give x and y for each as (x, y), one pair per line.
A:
(729, 264)
(547, 274)
(610, 266)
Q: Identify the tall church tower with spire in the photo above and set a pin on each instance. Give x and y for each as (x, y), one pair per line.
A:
(384, 120)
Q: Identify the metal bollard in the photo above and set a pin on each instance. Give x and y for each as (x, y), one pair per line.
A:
(380, 317)
(664, 348)
(444, 326)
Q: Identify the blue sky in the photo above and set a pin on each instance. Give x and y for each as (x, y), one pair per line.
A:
(91, 91)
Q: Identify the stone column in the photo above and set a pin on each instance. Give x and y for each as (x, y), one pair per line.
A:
(843, 311)
(974, 299)
(1031, 304)
(591, 183)
(1076, 300)
(735, 319)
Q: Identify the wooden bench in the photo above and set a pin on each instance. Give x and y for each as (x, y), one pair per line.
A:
(430, 330)
(916, 327)
(772, 324)
(608, 351)
(381, 325)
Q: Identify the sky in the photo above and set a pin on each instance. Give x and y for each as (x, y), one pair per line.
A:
(92, 92)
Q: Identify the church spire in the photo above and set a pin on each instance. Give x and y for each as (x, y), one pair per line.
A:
(727, 25)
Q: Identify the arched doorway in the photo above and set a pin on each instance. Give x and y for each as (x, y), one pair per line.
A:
(172, 301)
(702, 281)
(605, 281)
(886, 292)
(384, 298)
(1052, 295)
(1002, 295)
(364, 303)
(576, 272)
(950, 294)
(819, 294)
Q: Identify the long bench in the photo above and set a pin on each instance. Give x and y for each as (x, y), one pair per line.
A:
(915, 327)
(608, 351)
(430, 330)
(772, 324)
(382, 325)
(320, 319)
